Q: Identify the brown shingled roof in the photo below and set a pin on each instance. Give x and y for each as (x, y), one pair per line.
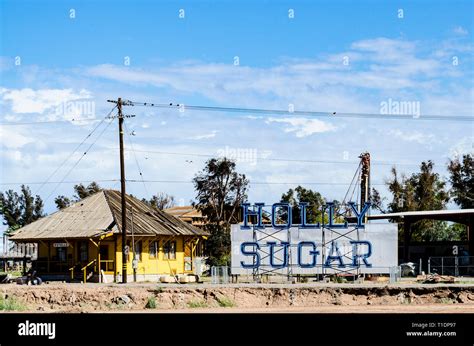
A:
(100, 213)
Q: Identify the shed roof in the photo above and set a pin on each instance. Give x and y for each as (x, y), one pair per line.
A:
(184, 212)
(101, 213)
(456, 215)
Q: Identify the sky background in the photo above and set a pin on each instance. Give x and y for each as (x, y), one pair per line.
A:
(331, 56)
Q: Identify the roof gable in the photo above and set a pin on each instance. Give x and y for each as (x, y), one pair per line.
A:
(102, 212)
(147, 220)
(82, 219)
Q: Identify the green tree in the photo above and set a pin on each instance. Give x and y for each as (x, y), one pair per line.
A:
(420, 191)
(442, 231)
(376, 200)
(20, 209)
(62, 202)
(220, 192)
(301, 194)
(81, 192)
(462, 181)
(86, 191)
(160, 201)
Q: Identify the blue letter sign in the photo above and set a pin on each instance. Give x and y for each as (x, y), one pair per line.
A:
(254, 253)
(299, 248)
(313, 252)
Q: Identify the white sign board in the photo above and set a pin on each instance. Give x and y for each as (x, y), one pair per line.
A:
(372, 249)
(60, 244)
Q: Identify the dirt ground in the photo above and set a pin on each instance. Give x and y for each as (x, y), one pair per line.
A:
(351, 298)
(353, 309)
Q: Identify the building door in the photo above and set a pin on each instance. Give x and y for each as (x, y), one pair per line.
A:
(188, 257)
(104, 256)
(82, 252)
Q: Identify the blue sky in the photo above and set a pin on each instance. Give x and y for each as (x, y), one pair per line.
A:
(258, 31)
(332, 56)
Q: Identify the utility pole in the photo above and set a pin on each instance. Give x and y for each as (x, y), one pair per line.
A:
(134, 261)
(365, 181)
(122, 190)
(121, 117)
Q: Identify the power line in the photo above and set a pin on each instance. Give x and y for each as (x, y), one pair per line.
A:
(332, 114)
(352, 182)
(79, 122)
(136, 160)
(79, 160)
(74, 151)
(60, 182)
(251, 182)
(381, 163)
(169, 181)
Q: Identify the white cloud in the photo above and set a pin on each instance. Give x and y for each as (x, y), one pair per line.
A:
(39, 101)
(394, 67)
(414, 136)
(459, 30)
(303, 126)
(462, 147)
(13, 155)
(378, 69)
(12, 139)
(204, 136)
(385, 48)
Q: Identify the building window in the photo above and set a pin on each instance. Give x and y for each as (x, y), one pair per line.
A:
(154, 249)
(138, 250)
(61, 253)
(83, 251)
(170, 250)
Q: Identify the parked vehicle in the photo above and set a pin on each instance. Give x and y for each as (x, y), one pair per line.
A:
(5, 278)
(30, 279)
(408, 269)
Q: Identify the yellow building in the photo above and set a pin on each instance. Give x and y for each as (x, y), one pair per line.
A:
(84, 241)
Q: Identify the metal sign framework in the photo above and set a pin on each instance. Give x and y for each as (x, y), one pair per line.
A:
(261, 234)
(351, 233)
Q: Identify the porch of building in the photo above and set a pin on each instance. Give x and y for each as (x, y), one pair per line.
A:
(75, 259)
(83, 242)
(100, 260)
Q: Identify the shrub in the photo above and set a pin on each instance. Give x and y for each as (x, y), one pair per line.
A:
(151, 303)
(446, 301)
(11, 304)
(339, 279)
(225, 302)
(197, 304)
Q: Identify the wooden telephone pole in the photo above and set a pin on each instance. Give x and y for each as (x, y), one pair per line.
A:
(125, 251)
(365, 181)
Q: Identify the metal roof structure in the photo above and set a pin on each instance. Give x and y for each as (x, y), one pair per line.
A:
(184, 212)
(101, 213)
(456, 215)
(463, 216)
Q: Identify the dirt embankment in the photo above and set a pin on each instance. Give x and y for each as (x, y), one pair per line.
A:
(84, 298)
